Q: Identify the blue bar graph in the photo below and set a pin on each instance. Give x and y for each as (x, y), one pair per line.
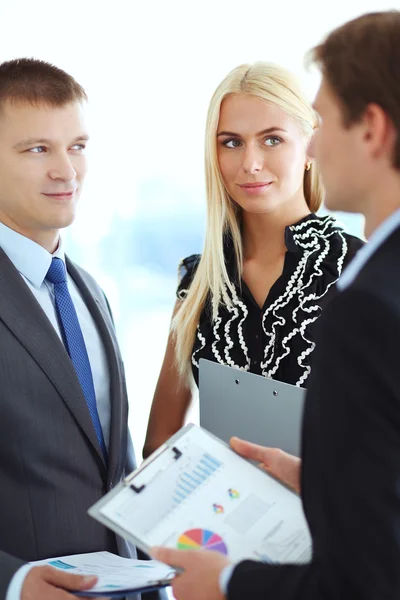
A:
(189, 481)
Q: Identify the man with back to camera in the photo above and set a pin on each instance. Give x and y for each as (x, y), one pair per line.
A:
(64, 439)
(350, 480)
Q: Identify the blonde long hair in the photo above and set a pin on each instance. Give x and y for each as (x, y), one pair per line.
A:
(277, 86)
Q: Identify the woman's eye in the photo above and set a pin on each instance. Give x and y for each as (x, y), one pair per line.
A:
(79, 147)
(272, 141)
(232, 143)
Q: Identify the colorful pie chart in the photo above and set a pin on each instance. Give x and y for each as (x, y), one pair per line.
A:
(195, 539)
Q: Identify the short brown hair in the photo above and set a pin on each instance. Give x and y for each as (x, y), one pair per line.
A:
(36, 82)
(360, 60)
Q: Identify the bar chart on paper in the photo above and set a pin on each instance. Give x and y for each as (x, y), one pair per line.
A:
(191, 479)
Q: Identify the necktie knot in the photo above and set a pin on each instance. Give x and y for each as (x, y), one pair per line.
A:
(56, 272)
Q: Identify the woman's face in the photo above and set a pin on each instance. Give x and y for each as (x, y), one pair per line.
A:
(261, 154)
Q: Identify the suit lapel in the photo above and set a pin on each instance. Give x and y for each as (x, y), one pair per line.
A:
(119, 413)
(23, 315)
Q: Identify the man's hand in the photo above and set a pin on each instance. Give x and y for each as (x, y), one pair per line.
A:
(283, 466)
(47, 583)
(202, 568)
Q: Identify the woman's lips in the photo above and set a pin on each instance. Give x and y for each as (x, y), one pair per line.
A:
(255, 188)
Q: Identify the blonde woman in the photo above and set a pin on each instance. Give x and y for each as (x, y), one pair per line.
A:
(269, 264)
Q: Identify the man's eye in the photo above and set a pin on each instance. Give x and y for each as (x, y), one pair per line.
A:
(37, 149)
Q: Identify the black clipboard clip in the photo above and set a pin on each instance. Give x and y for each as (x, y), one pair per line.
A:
(177, 452)
(137, 489)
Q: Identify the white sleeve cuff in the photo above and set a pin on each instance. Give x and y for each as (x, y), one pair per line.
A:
(224, 579)
(15, 587)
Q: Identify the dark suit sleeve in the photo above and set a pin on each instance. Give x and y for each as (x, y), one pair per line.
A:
(9, 565)
(351, 465)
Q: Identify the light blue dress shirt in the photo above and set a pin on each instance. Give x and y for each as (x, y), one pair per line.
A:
(379, 236)
(32, 262)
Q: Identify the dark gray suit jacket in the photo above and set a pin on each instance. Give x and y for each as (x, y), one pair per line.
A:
(351, 450)
(51, 465)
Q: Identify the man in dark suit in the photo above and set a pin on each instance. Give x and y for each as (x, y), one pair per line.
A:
(350, 481)
(64, 438)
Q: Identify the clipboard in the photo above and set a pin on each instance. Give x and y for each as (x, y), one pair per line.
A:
(196, 492)
(153, 587)
(275, 408)
(118, 577)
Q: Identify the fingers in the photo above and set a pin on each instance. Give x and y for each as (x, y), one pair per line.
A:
(175, 558)
(85, 597)
(68, 581)
(250, 450)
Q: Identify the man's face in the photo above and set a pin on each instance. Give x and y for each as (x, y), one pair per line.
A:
(340, 153)
(42, 166)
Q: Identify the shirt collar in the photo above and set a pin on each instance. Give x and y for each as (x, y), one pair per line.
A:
(28, 257)
(301, 236)
(290, 241)
(380, 235)
(308, 233)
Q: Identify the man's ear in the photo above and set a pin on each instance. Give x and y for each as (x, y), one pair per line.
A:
(378, 131)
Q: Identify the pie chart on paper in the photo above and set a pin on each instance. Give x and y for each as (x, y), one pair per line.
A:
(197, 539)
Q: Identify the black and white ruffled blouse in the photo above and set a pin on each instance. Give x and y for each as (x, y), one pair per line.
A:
(276, 341)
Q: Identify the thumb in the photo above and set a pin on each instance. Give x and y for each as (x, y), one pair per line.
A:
(69, 581)
(249, 450)
(175, 558)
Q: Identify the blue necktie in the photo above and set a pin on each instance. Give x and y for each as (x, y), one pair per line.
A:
(74, 342)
